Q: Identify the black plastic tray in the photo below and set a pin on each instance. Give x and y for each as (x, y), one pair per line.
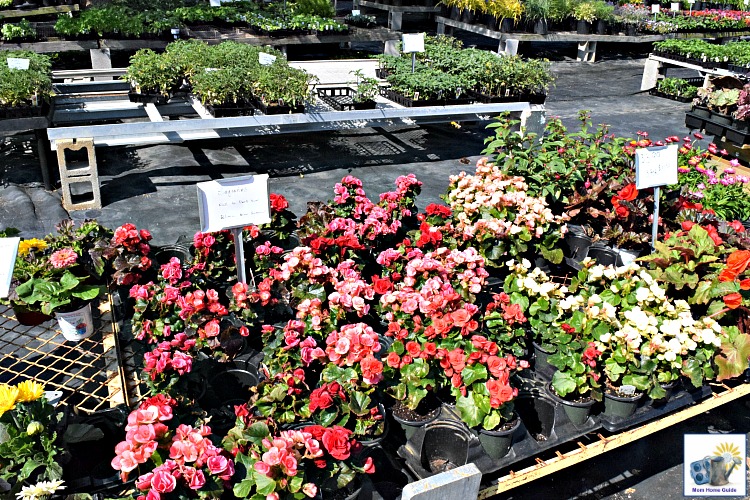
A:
(341, 99)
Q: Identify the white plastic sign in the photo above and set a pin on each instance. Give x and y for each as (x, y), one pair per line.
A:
(18, 63)
(266, 59)
(355, 12)
(8, 252)
(655, 8)
(412, 42)
(675, 7)
(656, 166)
(691, 2)
(747, 2)
(235, 202)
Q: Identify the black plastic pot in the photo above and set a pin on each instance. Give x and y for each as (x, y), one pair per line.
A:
(605, 256)
(497, 444)
(577, 413)
(583, 27)
(601, 27)
(445, 446)
(541, 367)
(163, 254)
(578, 246)
(620, 406)
(540, 27)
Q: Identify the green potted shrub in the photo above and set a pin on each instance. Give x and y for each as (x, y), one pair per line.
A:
(604, 13)
(152, 77)
(506, 12)
(23, 92)
(537, 12)
(585, 15)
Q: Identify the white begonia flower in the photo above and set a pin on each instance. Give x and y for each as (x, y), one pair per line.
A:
(593, 311)
(546, 288)
(645, 276)
(670, 356)
(681, 305)
(642, 294)
(610, 273)
(594, 299)
(526, 264)
(605, 337)
(596, 272)
(531, 285)
(40, 490)
(670, 328)
(609, 310)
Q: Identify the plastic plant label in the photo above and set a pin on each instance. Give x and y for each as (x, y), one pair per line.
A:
(208, 70)
(235, 202)
(675, 6)
(266, 59)
(655, 166)
(691, 2)
(627, 390)
(416, 96)
(746, 2)
(655, 8)
(355, 12)
(413, 42)
(8, 252)
(18, 63)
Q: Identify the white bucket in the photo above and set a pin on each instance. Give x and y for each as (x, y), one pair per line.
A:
(76, 325)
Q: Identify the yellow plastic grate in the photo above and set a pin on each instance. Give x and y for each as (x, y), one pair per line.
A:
(91, 373)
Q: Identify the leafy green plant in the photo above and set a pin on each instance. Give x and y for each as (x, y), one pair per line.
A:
(20, 87)
(677, 87)
(585, 11)
(367, 88)
(323, 8)
(20, 30)
(150, 72)
(55, 295)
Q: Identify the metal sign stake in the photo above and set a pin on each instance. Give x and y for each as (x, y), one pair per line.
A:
(239, 254)
(655, 226)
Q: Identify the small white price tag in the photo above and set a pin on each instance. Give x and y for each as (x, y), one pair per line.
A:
(18, 63)
(413, 42)
(266, 59)
(208, 70)
(675, 6)
(655, 8)
(235, 202)
(355, 12)
(8, 252)
(655, 166)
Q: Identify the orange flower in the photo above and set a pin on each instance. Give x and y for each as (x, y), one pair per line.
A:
(738, 261)
(727, 274)
(628, 193)
(733, 300)
(745, 284)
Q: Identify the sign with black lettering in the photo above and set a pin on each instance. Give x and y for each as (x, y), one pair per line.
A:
(235, 202)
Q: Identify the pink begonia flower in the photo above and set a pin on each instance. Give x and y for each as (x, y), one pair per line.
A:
(163, 481)
(63, 258)
(310, 489)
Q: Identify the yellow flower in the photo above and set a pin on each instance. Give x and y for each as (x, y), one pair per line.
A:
(26, 245)
(8, 395)
(29, 390)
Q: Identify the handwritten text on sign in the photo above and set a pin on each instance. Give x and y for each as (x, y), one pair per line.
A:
(18, 63)
(8, 251)
(235, 202)
(656, 166)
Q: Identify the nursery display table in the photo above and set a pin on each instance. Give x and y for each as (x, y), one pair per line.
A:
(396, 12)
(106, 101)
(91, 374)
(584, 449)
(40, 11)
(656, 68)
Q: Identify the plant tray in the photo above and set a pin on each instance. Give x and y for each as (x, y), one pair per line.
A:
(277, 109)
(672, 97)
(544, 425)
(489, 99)
(23, 111)
(341, 99)
(648, 410)
(147, 98)
(231, 109)
(411, 103)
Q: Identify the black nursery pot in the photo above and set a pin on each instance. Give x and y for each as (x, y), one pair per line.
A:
(605, 256)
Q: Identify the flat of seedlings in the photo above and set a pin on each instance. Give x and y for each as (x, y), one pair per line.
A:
(90, 373)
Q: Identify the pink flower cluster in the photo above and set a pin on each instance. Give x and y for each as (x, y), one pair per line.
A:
(169, 355)
(281, 457)
(350, 290)
(63, 258)
(472, 197)
(302, 261)
(199, 301)
(144, 430)
(190, 453)
(356, 344)
(132, 240)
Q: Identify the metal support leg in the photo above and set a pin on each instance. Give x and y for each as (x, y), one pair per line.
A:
(42, 145)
